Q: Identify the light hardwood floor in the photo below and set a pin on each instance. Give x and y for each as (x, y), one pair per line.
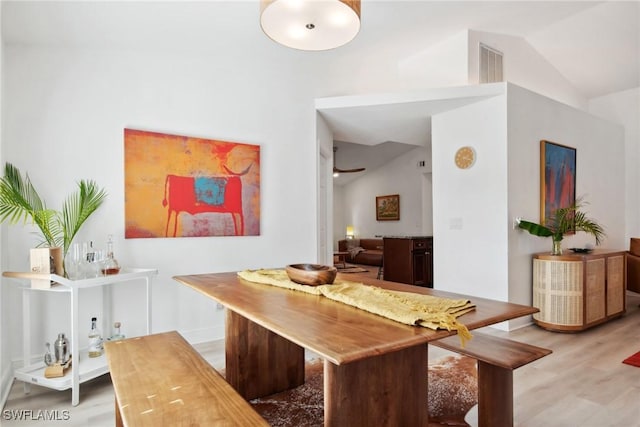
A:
(582, 383)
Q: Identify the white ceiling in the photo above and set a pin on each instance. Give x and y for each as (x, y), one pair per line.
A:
(594, 44)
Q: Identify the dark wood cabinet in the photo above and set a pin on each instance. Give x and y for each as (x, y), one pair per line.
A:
(408, 260)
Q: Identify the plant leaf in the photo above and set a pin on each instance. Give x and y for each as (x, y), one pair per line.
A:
(565, 220)
(19, 200)
(77, 208)
(535, 229)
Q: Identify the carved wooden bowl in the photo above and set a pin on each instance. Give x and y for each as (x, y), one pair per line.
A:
(311, 274)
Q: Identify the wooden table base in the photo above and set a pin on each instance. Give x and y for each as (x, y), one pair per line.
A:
(495, 395)
(366, 392)
(379, 391)
(259, 362)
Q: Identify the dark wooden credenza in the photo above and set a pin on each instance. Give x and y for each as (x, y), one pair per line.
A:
(408, 259)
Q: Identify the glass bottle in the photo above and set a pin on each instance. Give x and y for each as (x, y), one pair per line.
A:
(86, 268)
(117, 334)
(48, 359)
(95, 339)
(110, 266)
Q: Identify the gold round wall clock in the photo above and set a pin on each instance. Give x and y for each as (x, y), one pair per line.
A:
(465, 157)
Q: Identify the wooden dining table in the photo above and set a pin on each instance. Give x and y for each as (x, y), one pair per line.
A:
(375, 369)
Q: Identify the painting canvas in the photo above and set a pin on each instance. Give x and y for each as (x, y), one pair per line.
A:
(181, 186)
(557, 178)
(388, 208)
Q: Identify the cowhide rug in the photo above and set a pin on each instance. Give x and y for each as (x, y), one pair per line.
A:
(453, 391)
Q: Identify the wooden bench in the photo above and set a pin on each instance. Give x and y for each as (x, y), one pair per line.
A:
(497, 358)
(161, 379)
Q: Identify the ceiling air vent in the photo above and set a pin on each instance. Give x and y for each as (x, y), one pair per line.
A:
(490, 65)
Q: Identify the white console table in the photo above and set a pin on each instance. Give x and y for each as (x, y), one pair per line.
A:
(83, 368)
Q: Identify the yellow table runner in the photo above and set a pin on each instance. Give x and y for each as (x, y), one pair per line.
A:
(404, 307)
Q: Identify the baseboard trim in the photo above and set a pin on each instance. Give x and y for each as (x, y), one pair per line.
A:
(198, 336)
(520, 323)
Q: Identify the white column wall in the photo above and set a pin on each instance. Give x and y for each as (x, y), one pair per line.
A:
(477, 251)
(599, 178)
(469, 206)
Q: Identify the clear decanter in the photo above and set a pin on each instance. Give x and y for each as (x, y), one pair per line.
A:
(110, 266)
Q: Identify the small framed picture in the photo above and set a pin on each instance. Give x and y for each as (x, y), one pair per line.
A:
(388, 208)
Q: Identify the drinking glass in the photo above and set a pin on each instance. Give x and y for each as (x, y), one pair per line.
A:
(74, 263)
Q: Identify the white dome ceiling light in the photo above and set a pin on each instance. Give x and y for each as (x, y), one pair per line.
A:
(310, 24)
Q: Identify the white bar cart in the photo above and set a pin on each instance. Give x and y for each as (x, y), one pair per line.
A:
(83, 368)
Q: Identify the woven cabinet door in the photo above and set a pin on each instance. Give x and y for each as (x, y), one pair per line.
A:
(558, 292)
(595, 290)
(615, 284)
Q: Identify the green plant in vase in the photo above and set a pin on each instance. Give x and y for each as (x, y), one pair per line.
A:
(19, 201)
(562, 221)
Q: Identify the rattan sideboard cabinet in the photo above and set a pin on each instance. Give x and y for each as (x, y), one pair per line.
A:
(578, 291)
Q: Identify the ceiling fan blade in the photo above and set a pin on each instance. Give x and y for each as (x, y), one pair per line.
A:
(348, 170)
(337, 170)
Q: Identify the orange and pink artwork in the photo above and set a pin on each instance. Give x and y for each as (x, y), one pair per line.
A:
(182, 186)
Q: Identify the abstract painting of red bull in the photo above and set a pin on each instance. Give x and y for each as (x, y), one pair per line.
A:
(182, 186)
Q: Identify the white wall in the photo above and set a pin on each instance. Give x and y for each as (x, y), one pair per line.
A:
(427, 202)
(66, 110)
(599, 177)
(469, 206)
(401, 176)
(624, 108)
(326, 210)
(455, 62)
(476, 249)
(439, 65)
(339, 210)
(524, 66)
(6, 375)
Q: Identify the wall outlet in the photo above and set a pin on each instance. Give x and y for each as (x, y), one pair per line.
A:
(516, 221)
(455, 223)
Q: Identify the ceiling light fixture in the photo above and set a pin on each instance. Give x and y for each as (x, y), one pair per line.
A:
(310, 24)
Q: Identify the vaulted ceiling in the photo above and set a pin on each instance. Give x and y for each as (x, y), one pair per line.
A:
(595, 45)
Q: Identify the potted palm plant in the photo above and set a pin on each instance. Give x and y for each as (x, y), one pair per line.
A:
(562, 221)
(19, 201)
